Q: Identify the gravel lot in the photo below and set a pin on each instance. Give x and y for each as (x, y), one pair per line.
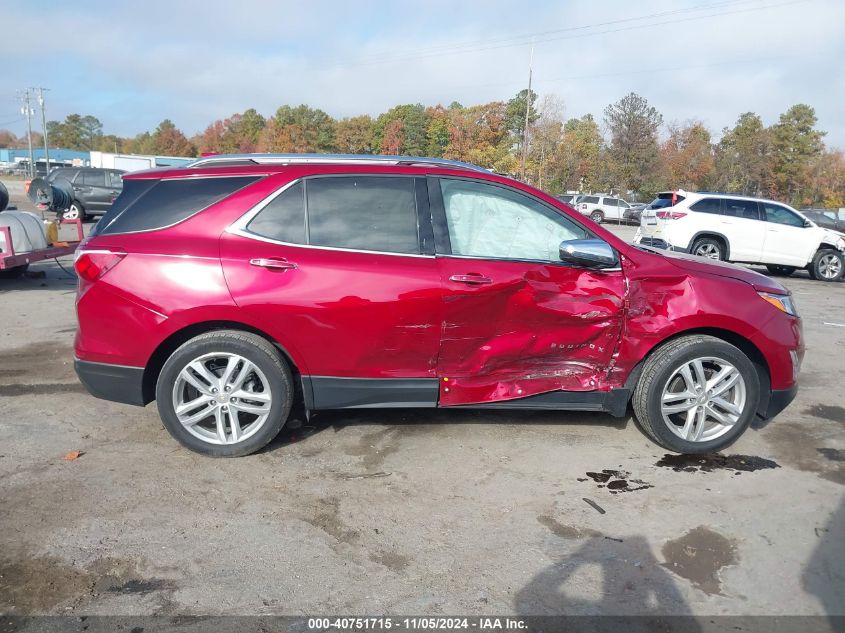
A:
(421, 512)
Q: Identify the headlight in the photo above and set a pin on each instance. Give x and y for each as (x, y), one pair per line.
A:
(784, 303)
(840, 243)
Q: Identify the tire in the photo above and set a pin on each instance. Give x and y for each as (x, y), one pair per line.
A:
(709, 248)
(780, 271)
(597, 216)
(661, 375)
(828, 265)
(14, 273)
(74, 211)
(267, 386)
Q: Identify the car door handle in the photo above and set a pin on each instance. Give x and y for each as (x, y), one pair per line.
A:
(272, 263)
(471, 278)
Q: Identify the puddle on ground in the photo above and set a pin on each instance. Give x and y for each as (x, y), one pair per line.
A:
(826, 412)
(714, 461)
(699, 556)
(833, 454)
(617, 481)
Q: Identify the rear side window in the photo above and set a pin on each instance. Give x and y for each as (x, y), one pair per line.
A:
(589, 199)
(369, 213)
(707, 205)
(283, 218)
(166, 202)
(665, 200)
(746, 209)
(364, 213)
(611, 202)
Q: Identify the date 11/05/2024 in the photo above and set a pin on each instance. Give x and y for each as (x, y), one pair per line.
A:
(417, 623)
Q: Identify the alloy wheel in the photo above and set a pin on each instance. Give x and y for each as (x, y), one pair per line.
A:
(222, 398)
(710, 251)
(703, 399)
(830, 266)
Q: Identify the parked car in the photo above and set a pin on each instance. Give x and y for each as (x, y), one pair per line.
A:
(232, 294)
(94, 189)
(742, 229)
(633, 213)
(833, 219)
(601, 207)
(568, 198)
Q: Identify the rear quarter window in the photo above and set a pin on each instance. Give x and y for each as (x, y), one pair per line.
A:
(589, 200)
(707, 205)
(146, 205)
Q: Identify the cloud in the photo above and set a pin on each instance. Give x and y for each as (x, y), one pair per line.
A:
(194, 62)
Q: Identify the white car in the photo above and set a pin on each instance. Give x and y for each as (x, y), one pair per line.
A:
(742, 229)
(601, 207)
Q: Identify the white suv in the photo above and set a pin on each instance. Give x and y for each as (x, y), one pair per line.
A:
(742, 229)
(600, 207)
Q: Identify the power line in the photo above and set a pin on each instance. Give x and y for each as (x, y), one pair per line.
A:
(541, 37)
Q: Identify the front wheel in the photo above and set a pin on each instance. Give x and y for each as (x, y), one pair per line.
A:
(225, 393)
(74, 212)
(696, 394)
(597, 216)
(827, 265)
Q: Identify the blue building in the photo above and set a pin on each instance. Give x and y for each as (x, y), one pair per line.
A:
(56, 154)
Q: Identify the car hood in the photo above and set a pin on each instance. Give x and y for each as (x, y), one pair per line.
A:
(694, 264)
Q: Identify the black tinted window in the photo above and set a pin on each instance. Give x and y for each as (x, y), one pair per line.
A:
(589, 199)
(94, 178)
(363, 212)
(611, 202)
(741, 209)
(166, 202)
(283, 218)
(707, 205)
(780, 215)
(665, 200)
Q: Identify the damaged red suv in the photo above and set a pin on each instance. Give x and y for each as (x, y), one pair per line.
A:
(239, 287)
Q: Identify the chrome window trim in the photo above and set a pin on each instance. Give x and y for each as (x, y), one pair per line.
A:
(238, 227)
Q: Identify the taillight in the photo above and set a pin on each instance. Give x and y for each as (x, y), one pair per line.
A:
(670, 215)
(91, 265)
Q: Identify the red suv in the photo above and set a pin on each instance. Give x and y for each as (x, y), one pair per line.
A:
(236, 288)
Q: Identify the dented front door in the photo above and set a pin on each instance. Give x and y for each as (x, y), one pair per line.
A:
(517, 321)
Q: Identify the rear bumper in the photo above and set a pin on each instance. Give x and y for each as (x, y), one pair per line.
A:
(654, 242)
(112, 382)
(779, 400)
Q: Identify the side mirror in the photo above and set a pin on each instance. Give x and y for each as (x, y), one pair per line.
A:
(807, 224)
(588, 254)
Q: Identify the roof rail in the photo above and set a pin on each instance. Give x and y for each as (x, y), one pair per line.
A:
(336, 159)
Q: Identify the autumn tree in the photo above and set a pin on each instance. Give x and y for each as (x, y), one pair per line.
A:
(687, 157)
(354, 135)
(579, 159)
(795, 144)
(743, 157)
(515, 114)
(168, 140)
(7, 139)
(633, 124)
(75, 132)
(403, 129)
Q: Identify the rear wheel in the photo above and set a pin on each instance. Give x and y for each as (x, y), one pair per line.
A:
(696, 394)
(827, 265)
(710, 248)
(783, 271)
(597, 216)
(225, 393)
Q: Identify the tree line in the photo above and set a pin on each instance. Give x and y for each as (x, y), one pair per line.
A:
(630, 150)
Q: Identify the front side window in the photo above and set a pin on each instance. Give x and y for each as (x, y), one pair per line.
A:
(707, 205)
(496, 222)
(746, 209)
(94, 178)
(780, 215)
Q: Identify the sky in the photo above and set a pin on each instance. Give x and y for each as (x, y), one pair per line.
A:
(132, 64)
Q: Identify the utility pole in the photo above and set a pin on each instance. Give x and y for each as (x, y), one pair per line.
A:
(527, 112)
(28, 112)
(44, 126)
